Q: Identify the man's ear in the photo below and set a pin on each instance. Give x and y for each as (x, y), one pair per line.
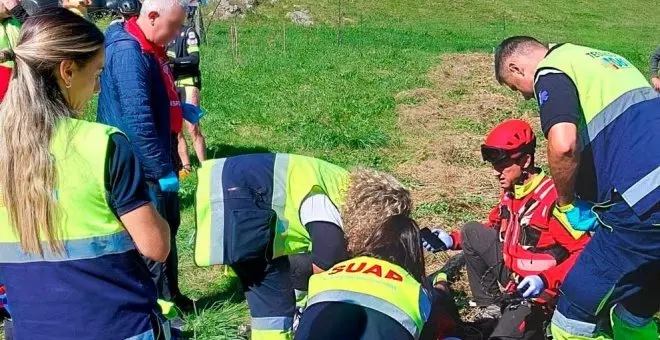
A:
(515, 69)
(526, 161)
(153, 15)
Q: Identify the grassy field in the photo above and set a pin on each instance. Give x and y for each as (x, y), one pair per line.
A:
(386, 96)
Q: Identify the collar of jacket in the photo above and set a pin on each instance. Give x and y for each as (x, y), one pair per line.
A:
(147, 46)
(525, 189)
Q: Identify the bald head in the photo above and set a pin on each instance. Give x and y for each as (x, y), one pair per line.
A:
(516, 59)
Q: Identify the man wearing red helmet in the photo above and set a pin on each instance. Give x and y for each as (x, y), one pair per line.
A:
(522, 246)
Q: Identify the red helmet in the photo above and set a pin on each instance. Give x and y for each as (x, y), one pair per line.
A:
(509, 139)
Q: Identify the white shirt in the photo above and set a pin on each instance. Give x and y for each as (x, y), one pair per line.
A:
(319, 208)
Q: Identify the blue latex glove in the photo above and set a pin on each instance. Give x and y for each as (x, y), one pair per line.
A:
(192, 113)
(169, 183)
(578, 215)
(443, 236)
(534, 286)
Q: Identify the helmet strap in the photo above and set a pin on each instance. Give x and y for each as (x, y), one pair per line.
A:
(523, 177)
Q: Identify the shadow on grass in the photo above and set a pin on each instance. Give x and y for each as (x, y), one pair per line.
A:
(187, 193)
(225, 150)
(232, 292)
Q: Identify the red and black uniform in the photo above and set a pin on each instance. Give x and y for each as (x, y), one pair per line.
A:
(531, 240)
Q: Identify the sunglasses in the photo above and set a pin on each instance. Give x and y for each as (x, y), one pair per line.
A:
(493, 155)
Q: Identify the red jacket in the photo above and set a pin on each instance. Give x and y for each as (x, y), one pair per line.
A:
(5, 77)
(534, 242)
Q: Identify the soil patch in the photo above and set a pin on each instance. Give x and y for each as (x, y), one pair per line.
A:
(442, 128)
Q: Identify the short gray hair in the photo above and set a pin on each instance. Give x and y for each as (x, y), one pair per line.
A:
(161, 6)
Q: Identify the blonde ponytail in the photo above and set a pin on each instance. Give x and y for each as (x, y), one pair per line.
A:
(29, 114)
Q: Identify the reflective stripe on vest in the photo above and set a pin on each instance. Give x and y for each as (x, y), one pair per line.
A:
(86, 225)
(275, 323)
(81, 249)
(611, 112)
(210, 214)
(294, 178)
(643, 187)
(375, 284)
(189, 81)
(608, 86)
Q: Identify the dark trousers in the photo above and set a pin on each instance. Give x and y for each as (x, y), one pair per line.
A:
(269, 293)
(485, 264)
(486, 274)
(166, 275)
(620, 264)
(249, 225)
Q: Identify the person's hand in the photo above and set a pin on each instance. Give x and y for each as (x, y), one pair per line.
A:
(443, 236)
(169, 183)
(10, 4)
(655, 81)
(577, 215)
(531, 286)
(192, 113)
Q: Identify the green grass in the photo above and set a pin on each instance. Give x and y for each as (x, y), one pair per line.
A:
(292, 89)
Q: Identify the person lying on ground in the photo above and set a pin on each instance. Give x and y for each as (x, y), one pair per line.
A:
(255, 211)
(380, 293)
(521, 244)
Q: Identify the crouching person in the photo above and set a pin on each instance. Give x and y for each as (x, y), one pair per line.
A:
(521, 247)
(255, 211)
(381, 293)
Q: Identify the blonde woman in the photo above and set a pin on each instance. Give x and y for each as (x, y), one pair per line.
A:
(256, 213)
(74, 209)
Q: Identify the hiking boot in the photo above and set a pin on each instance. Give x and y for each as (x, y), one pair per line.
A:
(490, 312)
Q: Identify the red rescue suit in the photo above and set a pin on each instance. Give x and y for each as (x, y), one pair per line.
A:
(534, 242)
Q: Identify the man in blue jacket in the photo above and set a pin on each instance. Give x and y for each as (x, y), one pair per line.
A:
(139, 97)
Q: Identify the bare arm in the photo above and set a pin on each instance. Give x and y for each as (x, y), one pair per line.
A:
(564, 159)
(149, 231)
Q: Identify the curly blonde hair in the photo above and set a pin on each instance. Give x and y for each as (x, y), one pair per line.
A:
(371, 198)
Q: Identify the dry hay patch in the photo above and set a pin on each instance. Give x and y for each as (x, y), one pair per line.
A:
(443, 159)
(442, 127)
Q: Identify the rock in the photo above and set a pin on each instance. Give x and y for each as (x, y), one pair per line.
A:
(227, 9)
(301, 17)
